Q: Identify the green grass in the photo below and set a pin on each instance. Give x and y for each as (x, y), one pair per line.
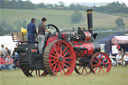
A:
(117, 76)
(61, 18)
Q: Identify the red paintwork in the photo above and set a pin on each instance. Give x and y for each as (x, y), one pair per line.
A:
(88, 36)
(63, 35)
(88, 46)
(67, 54)
(51, 39)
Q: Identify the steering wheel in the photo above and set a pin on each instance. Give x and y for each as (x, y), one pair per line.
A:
(54, 29)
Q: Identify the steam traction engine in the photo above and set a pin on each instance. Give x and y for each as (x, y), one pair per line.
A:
(63, 52)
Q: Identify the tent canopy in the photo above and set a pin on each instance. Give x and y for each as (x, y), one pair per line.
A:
(109, 38)
(120, 40)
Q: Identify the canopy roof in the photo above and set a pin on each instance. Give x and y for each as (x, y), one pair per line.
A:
(120, 40)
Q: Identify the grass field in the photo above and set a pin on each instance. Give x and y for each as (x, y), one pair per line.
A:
(117, 76)
(61, 18)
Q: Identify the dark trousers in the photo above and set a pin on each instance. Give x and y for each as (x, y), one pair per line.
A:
(31, 38)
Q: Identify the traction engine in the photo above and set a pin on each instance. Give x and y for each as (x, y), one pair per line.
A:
(63, 53)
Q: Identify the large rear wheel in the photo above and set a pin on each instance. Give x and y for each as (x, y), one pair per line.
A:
(59, 58)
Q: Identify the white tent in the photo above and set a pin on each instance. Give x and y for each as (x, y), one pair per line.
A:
(120, 40)
(7, 42)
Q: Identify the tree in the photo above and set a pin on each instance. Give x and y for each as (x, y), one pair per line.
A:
(119, 22)
(24, 24)
(5, 28)
(76, 17)
(41, 5)
(62, 4)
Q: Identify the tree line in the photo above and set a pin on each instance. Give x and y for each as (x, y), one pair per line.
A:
(114, 7)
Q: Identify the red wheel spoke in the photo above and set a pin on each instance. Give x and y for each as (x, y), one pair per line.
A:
(68, 57)
(54, 68)
(67, 62)
(66, 66)
(60, 69)
(65, 54)
(99, 69)
(54, 63)
(63, 68)
(98, 58)
(95, 69)
(55, 49)
(105, 67)
(95, 65)
(95, 61)
(52, 56)
(101, 57)
(64, 50)
(60, 49)
(102, 69)
(104, 59)
(52, 60)
(106, 63)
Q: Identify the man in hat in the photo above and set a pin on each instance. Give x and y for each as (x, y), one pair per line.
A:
(41, 34)
(31, 28)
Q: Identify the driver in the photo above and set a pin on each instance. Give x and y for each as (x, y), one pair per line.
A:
(41, 35)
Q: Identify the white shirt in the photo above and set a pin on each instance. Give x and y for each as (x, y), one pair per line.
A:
(125, 58)
(118, 56)
(3, 51)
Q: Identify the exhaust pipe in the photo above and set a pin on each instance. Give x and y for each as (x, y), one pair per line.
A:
(89, 20)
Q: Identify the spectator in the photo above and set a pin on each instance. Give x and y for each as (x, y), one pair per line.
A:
(9, 62)
(8, 51)
(2, 62)
(126, 58)
(3, 50)
(119, 58)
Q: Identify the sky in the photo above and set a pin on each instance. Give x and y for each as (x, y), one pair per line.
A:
(77, 1)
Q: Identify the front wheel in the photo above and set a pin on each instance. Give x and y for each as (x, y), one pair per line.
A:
(100, 63)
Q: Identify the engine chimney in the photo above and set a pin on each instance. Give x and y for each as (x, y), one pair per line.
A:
(89, 20)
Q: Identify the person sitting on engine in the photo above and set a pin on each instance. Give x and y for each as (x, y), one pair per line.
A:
(119, 58)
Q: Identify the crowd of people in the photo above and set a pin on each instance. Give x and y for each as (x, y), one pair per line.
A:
(122, 59)
(7, 59)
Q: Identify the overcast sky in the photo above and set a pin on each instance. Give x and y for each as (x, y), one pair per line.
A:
(77, 1)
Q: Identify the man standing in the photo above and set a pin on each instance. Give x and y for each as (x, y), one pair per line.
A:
(31, 28)
(41, 35)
